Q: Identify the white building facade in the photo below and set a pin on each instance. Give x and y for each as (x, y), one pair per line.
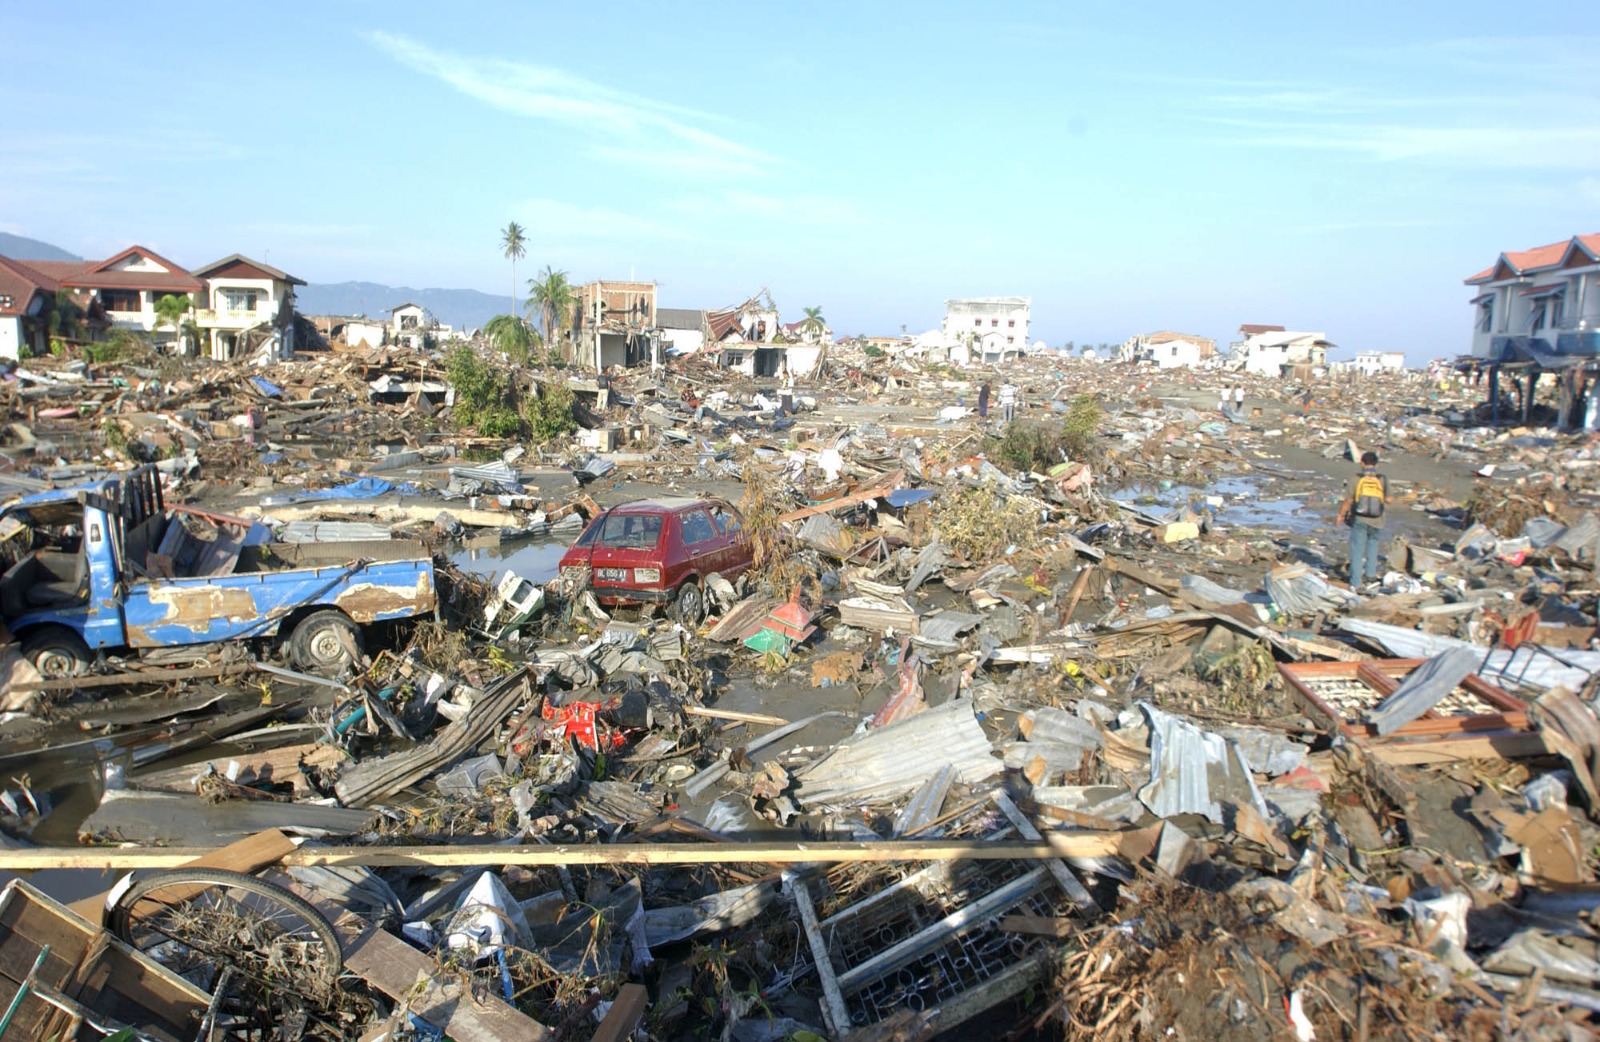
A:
(1369, 362)
(1275, 353)
(986, 329)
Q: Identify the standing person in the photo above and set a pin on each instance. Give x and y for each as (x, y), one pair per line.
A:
(983, 401)
(1363, 511)
(1238, 400)
(1227, 396)
(1008, 401)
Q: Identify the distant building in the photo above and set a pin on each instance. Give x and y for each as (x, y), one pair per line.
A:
(986, 329)
(1543, 301)
(1369, 362)
(410, 325)
(1276, 351)
(1169, 350)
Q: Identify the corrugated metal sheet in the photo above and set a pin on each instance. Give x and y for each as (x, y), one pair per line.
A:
(1194, 771)
(1531, 668)
(332, 532)
(892, 761)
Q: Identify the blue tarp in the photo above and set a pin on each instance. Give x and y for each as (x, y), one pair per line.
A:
(904, 497)
(267, 387)
(361, 488)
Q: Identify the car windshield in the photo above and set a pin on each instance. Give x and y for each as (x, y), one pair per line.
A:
(624, 531)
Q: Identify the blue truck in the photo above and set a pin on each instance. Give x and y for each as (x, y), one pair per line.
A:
(106, 568)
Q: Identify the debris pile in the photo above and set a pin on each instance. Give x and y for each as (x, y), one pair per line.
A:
(844, 713)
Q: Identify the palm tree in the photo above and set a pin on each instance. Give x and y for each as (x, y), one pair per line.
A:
(511, 335)
(814, 324)
(513, 245)
(170, 309)
(553, 295)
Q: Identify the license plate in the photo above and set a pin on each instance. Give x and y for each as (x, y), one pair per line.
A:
(611, 575)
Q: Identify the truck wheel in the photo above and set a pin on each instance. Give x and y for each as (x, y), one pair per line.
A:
(56, 652)
(318, 643)
(690, 607)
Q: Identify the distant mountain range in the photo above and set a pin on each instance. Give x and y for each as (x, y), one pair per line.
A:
(25, 249)
(459, 308)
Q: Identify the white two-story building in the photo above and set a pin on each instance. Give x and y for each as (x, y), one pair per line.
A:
(243, 295)
(1543, 301)
(986, 329)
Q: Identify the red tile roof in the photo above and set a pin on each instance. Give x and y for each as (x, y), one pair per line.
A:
(1522, 262)
(19, 281)
(101, 276)
(1249, 329)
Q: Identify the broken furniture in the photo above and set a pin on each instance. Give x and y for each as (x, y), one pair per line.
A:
(1472, 719)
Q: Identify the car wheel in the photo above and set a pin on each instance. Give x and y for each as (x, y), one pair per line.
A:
(319, 643)
(690, 607)
(56, 652)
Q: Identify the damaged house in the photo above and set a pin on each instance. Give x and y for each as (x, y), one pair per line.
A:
(986, 329)
(1536, 312)
(616, 324)
(753, 340)
(1275, 351)
(1169, 350)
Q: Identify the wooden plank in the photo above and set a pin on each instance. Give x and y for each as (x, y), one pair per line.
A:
(1070, 885)
(1451, 750)
(1055, 844)
(888, 485)
(1038, 926)
(1160, 583)
(249, 855)
(402, 972)
(627, 1009)
(729, 714)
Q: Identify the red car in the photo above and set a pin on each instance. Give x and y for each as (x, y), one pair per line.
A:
(659, 551)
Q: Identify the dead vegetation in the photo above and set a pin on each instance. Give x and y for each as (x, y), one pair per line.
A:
(980, 524)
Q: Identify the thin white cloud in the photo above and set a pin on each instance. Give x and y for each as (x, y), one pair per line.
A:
(553, 219)
(621, 125)
(1487, 146)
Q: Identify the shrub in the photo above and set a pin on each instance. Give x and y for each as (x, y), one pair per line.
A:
(549, 412)
(873, 351)
(1041, 444)
(485, 398)
(1081, 426)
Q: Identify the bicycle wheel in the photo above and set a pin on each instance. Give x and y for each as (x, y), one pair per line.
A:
(197, 921)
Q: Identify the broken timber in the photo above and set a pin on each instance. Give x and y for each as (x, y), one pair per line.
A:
(1069, 844)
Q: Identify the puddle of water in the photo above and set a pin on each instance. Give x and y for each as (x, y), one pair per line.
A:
(1245, 504)
(537, 560)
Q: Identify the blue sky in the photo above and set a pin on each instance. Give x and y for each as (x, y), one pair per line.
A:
(1129, 167)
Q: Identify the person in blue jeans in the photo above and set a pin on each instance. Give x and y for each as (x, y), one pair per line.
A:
(1363, 511)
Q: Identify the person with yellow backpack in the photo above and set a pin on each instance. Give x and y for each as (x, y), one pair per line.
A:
(1363, 511)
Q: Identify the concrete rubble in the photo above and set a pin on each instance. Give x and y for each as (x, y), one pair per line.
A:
(1069, 728)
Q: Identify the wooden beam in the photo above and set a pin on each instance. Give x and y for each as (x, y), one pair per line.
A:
(888, 485)
(1038, 926)
(1086, 843)
(249, 855)
(627, 1009)
(729, 714)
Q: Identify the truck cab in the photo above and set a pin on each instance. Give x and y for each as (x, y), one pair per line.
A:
(106, 567)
